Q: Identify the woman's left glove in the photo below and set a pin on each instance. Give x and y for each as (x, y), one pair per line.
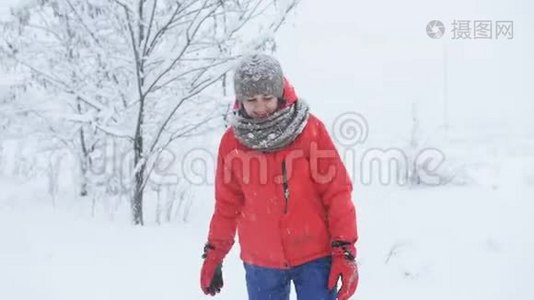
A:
(344, 266)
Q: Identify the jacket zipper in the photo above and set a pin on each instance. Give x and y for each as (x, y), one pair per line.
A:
(285, 185)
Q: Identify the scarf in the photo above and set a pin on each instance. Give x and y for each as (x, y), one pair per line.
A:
(274, 132)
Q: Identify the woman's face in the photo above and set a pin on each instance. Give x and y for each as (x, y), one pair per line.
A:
(260, 106)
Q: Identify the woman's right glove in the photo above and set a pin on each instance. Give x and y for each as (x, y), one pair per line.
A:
(211, 280)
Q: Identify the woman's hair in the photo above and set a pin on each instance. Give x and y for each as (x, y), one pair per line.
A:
(281, 103)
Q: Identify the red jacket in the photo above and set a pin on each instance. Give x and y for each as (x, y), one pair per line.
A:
(287, 205)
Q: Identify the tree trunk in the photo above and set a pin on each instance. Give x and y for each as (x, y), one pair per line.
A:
(139, 165)
(137, 201)
(84, 159)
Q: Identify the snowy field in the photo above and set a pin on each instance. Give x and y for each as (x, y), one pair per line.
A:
(440, 243)
(472, 239)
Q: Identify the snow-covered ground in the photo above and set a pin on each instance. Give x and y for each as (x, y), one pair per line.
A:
(472, 239)
(435, 243)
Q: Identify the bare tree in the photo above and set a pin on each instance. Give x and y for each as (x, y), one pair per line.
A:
(137, 71)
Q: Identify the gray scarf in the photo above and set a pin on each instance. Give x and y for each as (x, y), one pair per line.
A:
(273, 132)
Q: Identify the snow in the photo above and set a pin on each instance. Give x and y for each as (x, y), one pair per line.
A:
(471, 239)
(439, 243)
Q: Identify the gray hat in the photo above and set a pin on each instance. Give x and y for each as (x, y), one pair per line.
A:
(258, 74)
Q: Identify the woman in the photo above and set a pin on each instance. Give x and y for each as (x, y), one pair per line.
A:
(282, 185)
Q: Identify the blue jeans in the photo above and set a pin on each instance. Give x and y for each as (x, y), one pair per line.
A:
(310, 280)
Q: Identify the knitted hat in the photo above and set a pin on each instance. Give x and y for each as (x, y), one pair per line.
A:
(258, 74)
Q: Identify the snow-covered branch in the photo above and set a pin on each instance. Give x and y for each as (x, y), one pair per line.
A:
(134, 71)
